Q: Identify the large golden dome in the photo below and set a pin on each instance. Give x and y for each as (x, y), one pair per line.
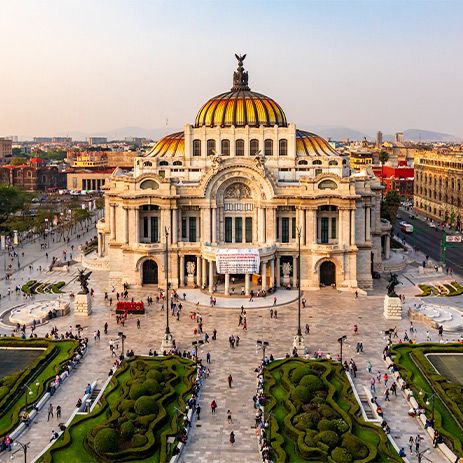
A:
(240, 106)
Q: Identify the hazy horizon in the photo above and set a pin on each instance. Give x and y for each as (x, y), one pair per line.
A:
(98, 66)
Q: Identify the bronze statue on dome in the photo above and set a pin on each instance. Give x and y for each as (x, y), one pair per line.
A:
(240, 76)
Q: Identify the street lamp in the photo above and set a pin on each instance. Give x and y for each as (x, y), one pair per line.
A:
(341, 342)
(122, 336)
(262, 345)
(23, 447)
(28, 392)
(168, 340)
(421, 455)
(298, 343)
(430, 401)
(195, 344)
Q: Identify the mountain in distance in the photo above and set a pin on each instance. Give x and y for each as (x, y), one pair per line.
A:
(428, 135)
(335, 133)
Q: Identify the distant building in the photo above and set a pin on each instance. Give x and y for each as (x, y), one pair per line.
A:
(101, 159)
(360, 159)
(88, 179)
(379, 139)
(399, 137)
(136, 140)
(61, 140)
(6, 150)
(97, 140)
(399, 178)
(439, 186)
(42, 139)
(95, 159)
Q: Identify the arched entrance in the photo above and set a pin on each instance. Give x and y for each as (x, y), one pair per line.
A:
(150, 272)
(327, 273)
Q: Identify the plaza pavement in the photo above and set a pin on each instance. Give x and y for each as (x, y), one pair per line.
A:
(330, 314)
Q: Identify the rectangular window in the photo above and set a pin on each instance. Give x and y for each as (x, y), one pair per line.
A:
(293, 228)
(238, 229)
(228, 229)
(145, 227)
(333, 228)
(248, 223)
(324, 230)
(285, 230)
(154, 230)
(192, 229)
(184, 234)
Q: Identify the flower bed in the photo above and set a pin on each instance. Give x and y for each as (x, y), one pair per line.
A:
(130, 307)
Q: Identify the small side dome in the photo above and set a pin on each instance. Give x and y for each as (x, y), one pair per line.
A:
(310, 144)
(170, 145)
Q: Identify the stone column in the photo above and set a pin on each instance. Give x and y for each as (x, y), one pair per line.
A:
(309, 227)
(387, 247)
(206, 225)
(126, 225)
(112, 215)
(352, 227)
(165, 222)
(227, 284)
(302, 226)
(136, 221)
(199, 271)
(272, 273)
(341, 228)
(295, 274)
(211, 276)
(174, 233)
(367, 224)
(214, 225)
(264, 276)
(247, 284)
(182, 271)
(204, 269)
(261, 225)
(100, 248)
(278, 272)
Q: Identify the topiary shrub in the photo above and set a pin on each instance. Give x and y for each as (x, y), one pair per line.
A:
(125, 405)
(329, 438)
(326, 425)
(137, 390)
(298, 373)
(301, 394)
(151, 386)
(355, 446)
(327, 412)
(145, 420)
(341, 455)
(341, 426)
(105, 441)
(127, 430)
(312, 383)
(146, 405)
(138, 440)
(153, 373)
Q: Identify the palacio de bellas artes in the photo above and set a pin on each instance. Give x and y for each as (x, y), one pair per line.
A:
(237, 197)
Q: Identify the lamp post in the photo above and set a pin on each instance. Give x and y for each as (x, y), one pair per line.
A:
(262, 345)
(23, 447)
(28, 392)
(122, 336)
(195, 344)
(341, 342)
(168, 340)
(298, 343)
(430, 401)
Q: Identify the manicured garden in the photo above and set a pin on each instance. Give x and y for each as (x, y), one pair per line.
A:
(41, 370)
(422, 378)
(37, 287)
(441, 289)
(314, 416)
(139, 410)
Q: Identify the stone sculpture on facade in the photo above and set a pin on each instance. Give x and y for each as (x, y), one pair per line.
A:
(190, 270)
(286, 268)
(392, 302)
(83, 301)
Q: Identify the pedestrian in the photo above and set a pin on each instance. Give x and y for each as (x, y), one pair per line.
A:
(274, 300)
(356, 329)
(58, 412)
(411, 441)
(417, 443)
(356, 294)
(106, 328)
(307, 329)
(138, 323)
(275, 313)
(213, 407)
(271, 313)
(386, 395)
(230, 380)
(232, 438)
(229, 417)
(208, 357)
(369, 366)
(50, 412)
(198, 412)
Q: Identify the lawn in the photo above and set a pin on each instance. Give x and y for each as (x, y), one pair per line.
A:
(41, 370)
(314, 416)
(136, 415)
(416, 369)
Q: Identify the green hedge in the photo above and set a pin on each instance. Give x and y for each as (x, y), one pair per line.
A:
(323, 423)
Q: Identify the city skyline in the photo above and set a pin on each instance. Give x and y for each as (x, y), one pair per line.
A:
(94, 68)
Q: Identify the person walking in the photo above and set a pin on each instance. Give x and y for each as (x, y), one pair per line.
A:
(232, 438)
(50, 412)
(369, 366)
(198, 412)
(208, 357)
(138, 323)
(411, 441)
(230, 380)
(58, 412)
(213, 407)
(229, 417)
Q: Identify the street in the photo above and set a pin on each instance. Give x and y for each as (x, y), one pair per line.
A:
(428, 240)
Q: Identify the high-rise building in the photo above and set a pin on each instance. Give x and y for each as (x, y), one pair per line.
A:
(5, 150)
(42, 139)
(97, 140)
(379, 139)
(399, 137)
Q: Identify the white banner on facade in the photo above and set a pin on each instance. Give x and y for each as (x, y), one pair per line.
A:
(453, 238)
(237, 261)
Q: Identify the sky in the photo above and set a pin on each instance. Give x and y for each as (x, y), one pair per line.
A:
(98, 65)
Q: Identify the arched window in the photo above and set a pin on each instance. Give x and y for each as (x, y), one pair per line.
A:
(268, 147)
(196, 147)
(239, 151)
(303, 162)
(225, 147)
(317, 162)
(149, 185)
(333, 163)
(253, 147)
(344, 162)
(283, 147)
(210, 147)
(177, 163)
(327, 185)
(163, 163)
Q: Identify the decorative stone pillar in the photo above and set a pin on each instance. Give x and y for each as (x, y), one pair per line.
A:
(100, 247)
(264, 276)
(352, 227)
(227, 284)
(126, 225)
(211, 276)
(165, 222)
(112, 217)
(295, 274)
(261, 225)
(272, 273)
(199, 261)
(341, 228)
(309, 227)
(278, 272)
(204, 269)
(247, 284)
(182, 271)
(174, 234)
(214, 225)
(302, 226)
(367, 224)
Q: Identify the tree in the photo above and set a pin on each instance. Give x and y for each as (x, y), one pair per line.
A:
(390, 206)
(18, 161)
(12, 199)
(383, 158)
